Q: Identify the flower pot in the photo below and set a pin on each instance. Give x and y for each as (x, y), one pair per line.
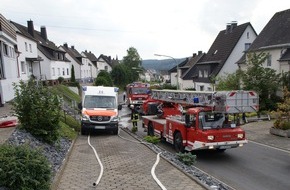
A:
(280, 132)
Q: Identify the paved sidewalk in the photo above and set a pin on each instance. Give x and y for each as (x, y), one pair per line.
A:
(127, 165)
(259, 132)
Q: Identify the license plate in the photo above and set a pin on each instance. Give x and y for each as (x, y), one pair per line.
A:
(225, 147)
(100, 127)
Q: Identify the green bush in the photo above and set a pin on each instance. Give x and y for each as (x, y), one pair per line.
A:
(152, 139)
(37, 109)
(71, 122)
(22, 168)
(66, 131)
(60, 79)
(186, 158)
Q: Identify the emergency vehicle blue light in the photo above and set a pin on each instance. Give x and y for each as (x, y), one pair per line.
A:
(84, 88)
(195, 100)
(116, 89)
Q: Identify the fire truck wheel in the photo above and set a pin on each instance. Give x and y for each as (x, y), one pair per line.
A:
(220, 150)
(178, 145)
(150, 131)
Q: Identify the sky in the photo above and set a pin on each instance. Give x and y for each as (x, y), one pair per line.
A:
(168, 27)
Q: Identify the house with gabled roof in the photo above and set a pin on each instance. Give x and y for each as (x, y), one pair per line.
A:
(104, 63)
(92, 63)
(228, 47)
(9, 67)
(28, 56)
(274, 40)
(186, 80)
(75, 59)
(50, 63)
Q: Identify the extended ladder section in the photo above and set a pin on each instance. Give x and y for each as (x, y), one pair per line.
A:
(222, 101)
(194, 98)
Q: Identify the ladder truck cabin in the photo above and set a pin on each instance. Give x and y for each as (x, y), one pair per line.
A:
(137, 93)
(192, 120)
(99, 109)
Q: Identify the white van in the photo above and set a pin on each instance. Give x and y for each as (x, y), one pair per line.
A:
(99, 108)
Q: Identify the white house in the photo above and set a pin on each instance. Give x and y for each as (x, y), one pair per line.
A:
(50, 63)
(104, 63)
(274, 40)
(9, 68)
(228, 47)
(91, 65)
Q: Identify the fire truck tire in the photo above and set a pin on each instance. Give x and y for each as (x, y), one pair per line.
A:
(220, 150)
(150, 131)
(178, 145)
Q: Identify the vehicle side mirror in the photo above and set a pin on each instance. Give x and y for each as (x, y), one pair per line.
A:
(119, 107)
(80, 106)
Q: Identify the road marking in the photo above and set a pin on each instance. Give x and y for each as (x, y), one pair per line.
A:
(269, 146)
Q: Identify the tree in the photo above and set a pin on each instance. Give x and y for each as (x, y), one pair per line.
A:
(133, 63)
(119, 75)
(105, 80)
(37, 109)
(72, 77)
(263, 80)
(229, 81)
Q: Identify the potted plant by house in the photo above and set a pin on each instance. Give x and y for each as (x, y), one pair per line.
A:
(282, 124)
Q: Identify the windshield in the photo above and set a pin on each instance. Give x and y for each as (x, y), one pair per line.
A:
(92, 101)
(139, 90)
(209, 120)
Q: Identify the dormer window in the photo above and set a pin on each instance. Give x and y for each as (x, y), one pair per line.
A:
(205, 74)
(200, 75)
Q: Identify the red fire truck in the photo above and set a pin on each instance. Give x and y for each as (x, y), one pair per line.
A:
(192, 120)
(137, 93)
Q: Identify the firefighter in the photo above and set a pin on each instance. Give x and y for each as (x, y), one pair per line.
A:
(134, 117)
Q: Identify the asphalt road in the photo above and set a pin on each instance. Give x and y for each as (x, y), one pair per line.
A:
(252, 167)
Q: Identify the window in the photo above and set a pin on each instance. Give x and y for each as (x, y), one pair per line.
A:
(26, 48)
(200, 74)
(6, 49)
(205, 73)
(269, 60)
(30, 67)
(30, 48)
(247, 46)
(248, 35)
(106, 68)
(201, 88)
(23, 68)
(67, 71)
(53, 72)
(63, 71)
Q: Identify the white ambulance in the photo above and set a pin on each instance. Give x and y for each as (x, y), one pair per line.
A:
(99, 108)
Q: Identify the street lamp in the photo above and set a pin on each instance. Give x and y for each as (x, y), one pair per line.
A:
(177, 67)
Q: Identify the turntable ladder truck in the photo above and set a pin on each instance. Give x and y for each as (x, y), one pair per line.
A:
(193, 120)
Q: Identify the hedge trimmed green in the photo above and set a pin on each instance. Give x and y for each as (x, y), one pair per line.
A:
(22, 168)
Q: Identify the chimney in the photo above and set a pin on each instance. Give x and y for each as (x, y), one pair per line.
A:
(199, 52)
(228, 28)
(65, 45)
(72, 47)
(234, 24)
(43, 33)
(30, 27)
